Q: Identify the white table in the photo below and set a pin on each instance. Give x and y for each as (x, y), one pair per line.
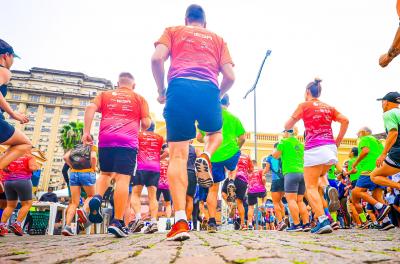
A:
(54, 207)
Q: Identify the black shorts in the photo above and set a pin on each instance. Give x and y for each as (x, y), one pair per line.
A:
(18, 190)
(252, 197)
(146, 178)
(118, 160)
(6, 129)
(3, 196)
(241, 188)
(192, 182)
(278, 185)
(393, 159)
(166, 194)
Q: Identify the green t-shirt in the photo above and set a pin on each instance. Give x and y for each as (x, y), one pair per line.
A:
(232, 129)
(292, 155)
(331, 173)
(391, 120)
(355, 176)
(375, 147)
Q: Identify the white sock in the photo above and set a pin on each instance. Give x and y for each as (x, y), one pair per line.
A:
(386, 220)
(378, 206)
(138, 216)
(153, 221)
(322, 218)
(180, 215)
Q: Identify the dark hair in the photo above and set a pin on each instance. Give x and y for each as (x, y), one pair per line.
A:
(354, 150)
(276, 144)
(126, 75)
(195, 13)
(315, 88)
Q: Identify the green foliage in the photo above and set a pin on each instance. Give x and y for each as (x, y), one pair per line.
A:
(71, 135)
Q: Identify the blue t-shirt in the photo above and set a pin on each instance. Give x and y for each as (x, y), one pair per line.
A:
(274, 167)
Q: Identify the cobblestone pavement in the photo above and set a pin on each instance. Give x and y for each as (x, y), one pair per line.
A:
(346, 246)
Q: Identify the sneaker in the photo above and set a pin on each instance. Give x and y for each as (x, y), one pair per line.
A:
(179, 231)
(212, 228)
(244, 227)
(82, 217)
(322, 228)
(3, 230)
(152, 228)
(335, 225)
(295, 228)
(231, 190)
(365, 225)
(332, 197)
(306, 227)
(386, 226)
(117, 229)
(203, 169)
(250, 227)
(17, 229)
(281, 226)
(136, 226)
(95, 215)
(168, 225)
(204, 225)
(383, 212)
(67, 231)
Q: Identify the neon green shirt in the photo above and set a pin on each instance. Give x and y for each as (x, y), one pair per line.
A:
(292, 155)
(331, 173)
(375, 147)
(355, 176)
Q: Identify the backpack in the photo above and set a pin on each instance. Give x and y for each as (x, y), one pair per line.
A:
(80, 157)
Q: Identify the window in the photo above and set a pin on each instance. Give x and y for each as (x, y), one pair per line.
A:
(84, 102)
(34, 98)
(66, 111)
(14, 106)
(47, 120)
(51, 100)
(45, 129)
(67, 101)
(29, 128)
(64, 121)
(81, 113)
(16, 96)
(32, 109)
(49, 110)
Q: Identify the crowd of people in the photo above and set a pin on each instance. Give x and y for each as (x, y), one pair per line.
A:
(320, 195)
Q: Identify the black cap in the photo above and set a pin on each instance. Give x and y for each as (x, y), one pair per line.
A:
(393, 97)
(6, 48)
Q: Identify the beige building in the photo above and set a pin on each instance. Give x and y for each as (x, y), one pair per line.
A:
(51, 99)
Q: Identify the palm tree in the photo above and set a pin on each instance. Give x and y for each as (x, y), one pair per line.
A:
(71, 135)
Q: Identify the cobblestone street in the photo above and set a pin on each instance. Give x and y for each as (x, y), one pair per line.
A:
(349, 246)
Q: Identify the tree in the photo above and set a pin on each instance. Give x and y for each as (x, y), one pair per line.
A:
(71, 135)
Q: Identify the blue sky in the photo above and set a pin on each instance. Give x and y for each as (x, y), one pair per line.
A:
(339, 41)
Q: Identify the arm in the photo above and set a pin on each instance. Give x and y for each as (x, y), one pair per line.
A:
(277, 154)
(390, 140)
(393, 52)
(296, 116)
(66, 158)
(33, 165)
(241, 140)
(267, 168)
(361, 156)
(344, 124)
(89, 115)
(145, 123)
(160, 55)
(228, 78)
(93, 160)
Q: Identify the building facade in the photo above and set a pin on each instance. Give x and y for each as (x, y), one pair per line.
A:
(52, 99)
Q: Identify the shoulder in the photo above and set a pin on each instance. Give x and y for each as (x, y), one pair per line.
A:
(5, 75)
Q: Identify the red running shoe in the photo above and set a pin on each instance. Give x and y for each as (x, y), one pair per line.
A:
(179, 231)
(17, 229)
(3, 230)
(82, 218)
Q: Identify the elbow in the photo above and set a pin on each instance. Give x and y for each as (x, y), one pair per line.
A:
(157, 59)
(230, 78)
(345, 122)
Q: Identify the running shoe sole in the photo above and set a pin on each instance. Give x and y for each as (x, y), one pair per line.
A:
(307, 229)
(15, 231)
(138, 228)
(116, 231)
(384, 214)
(388, 227)
(95, 215)
(179, 237)
(204, 177)
(324, 230)
(231, 189)
(294, 230)
(67, 233)
(334, 203)
(150, 231)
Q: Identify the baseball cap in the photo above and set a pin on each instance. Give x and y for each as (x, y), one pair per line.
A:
(6, 48)
(393, 97)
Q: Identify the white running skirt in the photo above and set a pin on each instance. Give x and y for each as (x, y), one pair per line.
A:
(323, 155)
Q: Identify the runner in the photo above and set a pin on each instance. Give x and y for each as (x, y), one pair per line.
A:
(320, 148)
(225, 159)
(353, 155)
(18, 143)
(291, 151)
(277, 188)
(148, 174)
(388, 162)
(256, 190)
(18, 187)
(197, 57)
(163, 188)
(192, 180)
(394, 50)
(369, 149)
(83, 164)
(122, 113)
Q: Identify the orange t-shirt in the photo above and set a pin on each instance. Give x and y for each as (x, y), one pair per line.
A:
(195, 52)
(121, 112)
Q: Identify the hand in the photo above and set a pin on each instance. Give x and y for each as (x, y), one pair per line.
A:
(379, 161)
(384, 60)
(338, 142)
(161, 97)
(23, 119)
(87, 139)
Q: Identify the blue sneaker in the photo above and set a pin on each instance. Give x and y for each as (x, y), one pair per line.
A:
(117, 229)
(95, 215)
(383, 212)
(295, 228)
(322, 228)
